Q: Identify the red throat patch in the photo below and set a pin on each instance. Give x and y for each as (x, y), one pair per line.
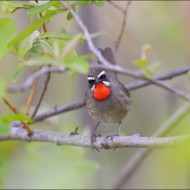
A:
(101, 92)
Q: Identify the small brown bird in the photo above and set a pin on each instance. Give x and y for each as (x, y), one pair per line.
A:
(106, 99)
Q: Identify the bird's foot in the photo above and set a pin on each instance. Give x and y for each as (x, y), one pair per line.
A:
(93, 140)
(75, 132)
(111, 137)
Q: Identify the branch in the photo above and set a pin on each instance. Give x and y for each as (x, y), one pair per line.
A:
(25, 125)
(169, 75)
(135, 161)
(101, 142)
(159, 83)
(122, 26)
(32, 93)
(30, 79)
(42, 95)
(116, 6)
(58, 110)
(131, 86)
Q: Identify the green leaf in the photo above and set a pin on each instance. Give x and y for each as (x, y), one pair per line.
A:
(10, 7)
(188, 73)
(76, 63)
(59, 35)
(99, 2)
(84, 3)
(15, 117)
(41, 60)
(7, 33)
(40, 8)
(148, 73)
(2, 87)
(145, 51)
(71, 45)
(69, 16)
(30, 29)
(24, 45)
(19, 71)
(140, 63)
(4, 127)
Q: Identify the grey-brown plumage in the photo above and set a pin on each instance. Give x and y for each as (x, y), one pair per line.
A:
(114, 108)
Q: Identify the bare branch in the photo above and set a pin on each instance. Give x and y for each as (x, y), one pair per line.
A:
(42, 94)
(169, 75)
(116, 6)
(159, 83)
(122, 27)
(132, 164)
(30, 79)
(131, 86)
(101, 142)
(58, 110)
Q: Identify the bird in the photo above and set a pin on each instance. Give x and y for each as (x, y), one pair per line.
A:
(106, 99)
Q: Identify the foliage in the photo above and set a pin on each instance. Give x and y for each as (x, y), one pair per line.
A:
(35, 48)
(147, 69)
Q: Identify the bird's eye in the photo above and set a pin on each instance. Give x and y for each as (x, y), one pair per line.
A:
(91, 80)
(103, 76)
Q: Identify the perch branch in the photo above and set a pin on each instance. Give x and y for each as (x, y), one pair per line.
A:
(20, 134)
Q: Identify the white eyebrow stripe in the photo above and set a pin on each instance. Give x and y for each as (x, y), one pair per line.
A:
(106, 83)
(92, 89)
(102, 73)
(90, 78)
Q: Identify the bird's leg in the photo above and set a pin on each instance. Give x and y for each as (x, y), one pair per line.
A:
(119, 128)
(93, 136)
(110, 137)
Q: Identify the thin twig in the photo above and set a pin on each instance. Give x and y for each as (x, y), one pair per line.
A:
(101, 142)
(116, 5)
(119, 39)
(131, 86)
(132, 164)
(26, 126)
(169, 75)
(30, 79)
(42, 95)
(32, 93)
(29, 102)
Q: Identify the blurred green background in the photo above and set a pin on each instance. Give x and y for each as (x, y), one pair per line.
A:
(162, 24)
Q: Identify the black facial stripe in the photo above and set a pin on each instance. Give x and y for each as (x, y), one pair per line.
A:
(102, 75)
